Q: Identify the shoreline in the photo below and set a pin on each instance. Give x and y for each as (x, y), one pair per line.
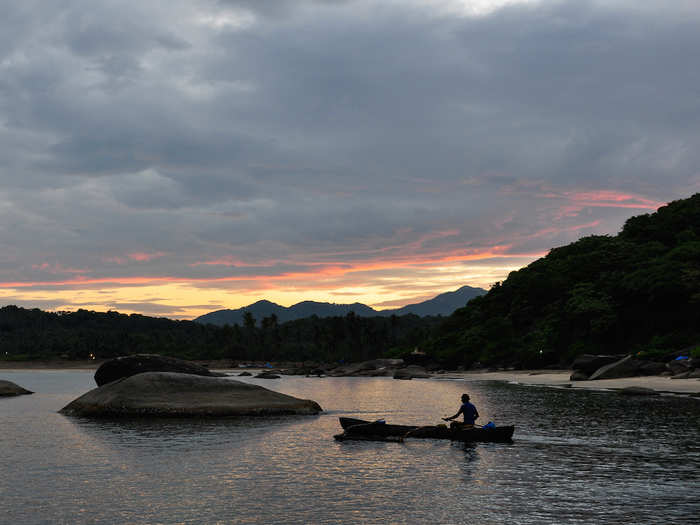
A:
(560, 378)
(545, 378)
(87, 364)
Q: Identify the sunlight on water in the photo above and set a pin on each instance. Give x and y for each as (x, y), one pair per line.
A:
(578, 457)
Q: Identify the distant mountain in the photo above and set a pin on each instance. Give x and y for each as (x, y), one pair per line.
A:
(443, 304)
(263, 308)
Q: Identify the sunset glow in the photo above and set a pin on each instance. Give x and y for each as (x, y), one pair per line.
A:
(386, 277)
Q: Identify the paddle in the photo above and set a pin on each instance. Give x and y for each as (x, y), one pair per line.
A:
(474, 424)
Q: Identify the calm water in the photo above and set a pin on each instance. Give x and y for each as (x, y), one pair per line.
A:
(578, 457)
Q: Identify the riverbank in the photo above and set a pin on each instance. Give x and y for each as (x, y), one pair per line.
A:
(88, 364)
(560, 378)
(551, 378)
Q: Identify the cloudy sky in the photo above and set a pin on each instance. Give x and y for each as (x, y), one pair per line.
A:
(177, 157)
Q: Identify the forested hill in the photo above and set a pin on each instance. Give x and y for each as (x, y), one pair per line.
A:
(638, 291)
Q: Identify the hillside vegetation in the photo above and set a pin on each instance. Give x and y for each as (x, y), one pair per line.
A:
(638, 291)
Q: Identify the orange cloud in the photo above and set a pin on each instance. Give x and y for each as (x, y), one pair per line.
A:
(315, 270)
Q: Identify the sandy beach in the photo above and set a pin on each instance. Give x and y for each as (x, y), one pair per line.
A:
(561, 378)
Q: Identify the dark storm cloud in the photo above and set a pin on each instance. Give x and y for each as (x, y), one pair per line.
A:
(278, 8)
(300, 130)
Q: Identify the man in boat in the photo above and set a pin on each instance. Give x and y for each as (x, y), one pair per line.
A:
(468, 410)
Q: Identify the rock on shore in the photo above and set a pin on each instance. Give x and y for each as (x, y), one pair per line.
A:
(396, 368)
(410, 372)
(587, 364)
(373, 368)
(168, 394)
(8, 388)
(628, 366)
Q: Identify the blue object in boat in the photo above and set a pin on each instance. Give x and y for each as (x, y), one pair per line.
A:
(681, 358)
(490, 424)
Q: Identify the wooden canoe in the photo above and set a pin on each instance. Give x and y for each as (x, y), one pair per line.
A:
(368, 430)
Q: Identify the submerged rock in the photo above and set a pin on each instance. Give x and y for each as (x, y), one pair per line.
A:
(268, 375)
(136, 364)
(637, 391)
(8, 388)
(366, 368)
(167, 394)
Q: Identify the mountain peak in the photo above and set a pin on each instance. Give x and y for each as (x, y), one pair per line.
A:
(443, 304)
(262, 303)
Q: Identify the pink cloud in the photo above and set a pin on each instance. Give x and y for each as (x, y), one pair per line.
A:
(600, 199)
(145, 257)
(57, 268)
(552, 230)
(134, 256)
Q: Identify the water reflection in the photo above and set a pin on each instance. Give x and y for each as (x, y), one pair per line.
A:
(172, 433)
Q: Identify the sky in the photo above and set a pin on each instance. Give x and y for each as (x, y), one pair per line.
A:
(175, 157)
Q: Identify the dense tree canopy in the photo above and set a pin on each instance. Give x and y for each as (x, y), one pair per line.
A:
(636, 292)
(35, 334)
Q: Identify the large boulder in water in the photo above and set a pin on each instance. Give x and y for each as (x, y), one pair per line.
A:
(414, 371)
(136, 364)
(410, 372)
(367, 368)
(168, 394)
(8, 388)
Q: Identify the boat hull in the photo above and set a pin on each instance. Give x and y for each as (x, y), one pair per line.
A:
(367, 430)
